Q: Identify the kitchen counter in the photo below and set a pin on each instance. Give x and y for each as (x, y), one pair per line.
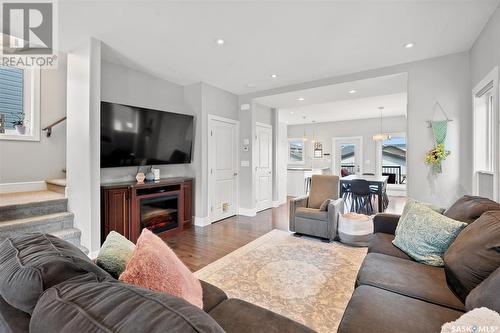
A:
(296, 179)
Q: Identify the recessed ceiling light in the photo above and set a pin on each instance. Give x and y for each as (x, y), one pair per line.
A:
(250, 85)
(291, 112)
(352, 91)
(300, 99)
(409, 45)
(274, 76)
(220, 41)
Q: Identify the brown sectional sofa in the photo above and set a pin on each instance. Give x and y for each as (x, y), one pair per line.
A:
(394, 293)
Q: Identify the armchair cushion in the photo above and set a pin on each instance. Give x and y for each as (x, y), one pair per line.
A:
(385, 223)
(311, 213)
(323, 187)
(324, 205)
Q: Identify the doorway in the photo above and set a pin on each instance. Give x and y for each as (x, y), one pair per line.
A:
(223, 168)
(391, 162)
(263, 166)
(347, 155)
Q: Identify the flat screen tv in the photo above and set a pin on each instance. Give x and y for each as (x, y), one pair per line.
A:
(133, 136)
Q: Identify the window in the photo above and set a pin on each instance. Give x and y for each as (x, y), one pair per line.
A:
(394, 159)
(19, 104)
(296, 151)
(483, 138)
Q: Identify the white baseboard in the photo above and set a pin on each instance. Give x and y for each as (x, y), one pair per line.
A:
(278, 203)
(247, 211)
(202, 221)
(23, 187)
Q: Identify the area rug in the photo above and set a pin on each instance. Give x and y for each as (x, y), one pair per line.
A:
(300, 278)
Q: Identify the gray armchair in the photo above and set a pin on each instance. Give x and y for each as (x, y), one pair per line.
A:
(307, 218)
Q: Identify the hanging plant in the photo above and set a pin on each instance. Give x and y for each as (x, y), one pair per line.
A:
(436, 156)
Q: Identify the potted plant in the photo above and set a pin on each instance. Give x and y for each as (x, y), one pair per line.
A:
(436, 156)
(19, 124)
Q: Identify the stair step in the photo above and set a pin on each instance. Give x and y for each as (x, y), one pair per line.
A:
(46, 223)
(71, 235)
(36, 208)
(56, 185)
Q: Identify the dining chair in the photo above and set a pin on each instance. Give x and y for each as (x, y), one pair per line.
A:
(361, 196)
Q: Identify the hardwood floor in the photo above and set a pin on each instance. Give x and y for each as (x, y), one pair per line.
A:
(199, 246)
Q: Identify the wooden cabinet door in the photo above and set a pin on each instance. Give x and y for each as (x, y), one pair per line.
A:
(188, 202)
(116, 211)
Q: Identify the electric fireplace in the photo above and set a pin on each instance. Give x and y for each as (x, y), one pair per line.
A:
(159, 214)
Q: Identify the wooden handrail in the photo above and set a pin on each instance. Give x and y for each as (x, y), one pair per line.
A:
(49, 128)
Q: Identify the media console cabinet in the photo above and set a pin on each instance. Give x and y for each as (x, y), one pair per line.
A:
(164, 207)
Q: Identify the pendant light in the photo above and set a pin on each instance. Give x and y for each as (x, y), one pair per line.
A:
(381, 136)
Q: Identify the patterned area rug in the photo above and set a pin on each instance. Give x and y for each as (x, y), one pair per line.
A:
(300, 278)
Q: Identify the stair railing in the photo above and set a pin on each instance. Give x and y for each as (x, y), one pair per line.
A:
(49, 128)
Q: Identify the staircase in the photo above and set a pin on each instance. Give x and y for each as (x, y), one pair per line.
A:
(40, 211)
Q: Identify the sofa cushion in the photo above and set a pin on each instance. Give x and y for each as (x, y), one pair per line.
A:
(155, 266)
(486, 294)
(13, 320)
(323, 187)
(409, 278)
(376, 310)
(32, 263)
(425, 235)
(84, 304)
(469, 208)
(382, 243)
(238, 316)
(114, 254)
(474, 255)
(212, 296)
(311, 213)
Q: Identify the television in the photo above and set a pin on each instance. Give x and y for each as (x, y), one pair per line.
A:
(134, 136)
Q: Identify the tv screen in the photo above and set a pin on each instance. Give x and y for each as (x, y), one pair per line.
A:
(133, 136)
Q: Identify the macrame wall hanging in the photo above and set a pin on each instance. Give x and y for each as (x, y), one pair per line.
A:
(438, 154)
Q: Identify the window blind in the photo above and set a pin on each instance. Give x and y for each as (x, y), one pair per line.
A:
(11, 95)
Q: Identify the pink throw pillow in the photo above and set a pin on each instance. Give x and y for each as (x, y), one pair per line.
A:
(155, 266)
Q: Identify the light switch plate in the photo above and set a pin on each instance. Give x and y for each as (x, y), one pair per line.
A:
(245, 163)
(246, 142)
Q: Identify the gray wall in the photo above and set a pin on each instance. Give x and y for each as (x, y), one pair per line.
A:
(263, 114)
(445, 80)
(324, 132)
(26, 161)
(485, 53)
(121, 84)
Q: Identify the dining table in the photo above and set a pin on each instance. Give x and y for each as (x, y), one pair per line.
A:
(379, 181)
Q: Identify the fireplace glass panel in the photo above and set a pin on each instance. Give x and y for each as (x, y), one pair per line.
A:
(159, 214)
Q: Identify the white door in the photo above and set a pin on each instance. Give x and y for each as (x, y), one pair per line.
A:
(264, 167)
(347, 155)
(223, 168)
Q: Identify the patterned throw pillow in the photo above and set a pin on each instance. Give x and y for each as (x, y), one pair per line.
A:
(114, 254)
(410, 202)
(156, 267)
(425, 235)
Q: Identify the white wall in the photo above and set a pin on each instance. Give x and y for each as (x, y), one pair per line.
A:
(29, 161)
(263, 114)
(83, 135)
(324, 132)
(485, 53)
(445, 80)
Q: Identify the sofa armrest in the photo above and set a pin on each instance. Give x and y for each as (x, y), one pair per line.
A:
(335, 208)
(294, 204)
(385, 223)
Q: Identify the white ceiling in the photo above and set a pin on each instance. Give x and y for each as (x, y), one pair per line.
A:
(298, 40)
(383, 85)
(361, 108)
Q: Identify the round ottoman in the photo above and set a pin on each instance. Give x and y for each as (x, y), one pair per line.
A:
(355, 229)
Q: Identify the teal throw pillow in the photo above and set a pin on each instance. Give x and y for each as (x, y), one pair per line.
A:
(425, 234)
(115, 253)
